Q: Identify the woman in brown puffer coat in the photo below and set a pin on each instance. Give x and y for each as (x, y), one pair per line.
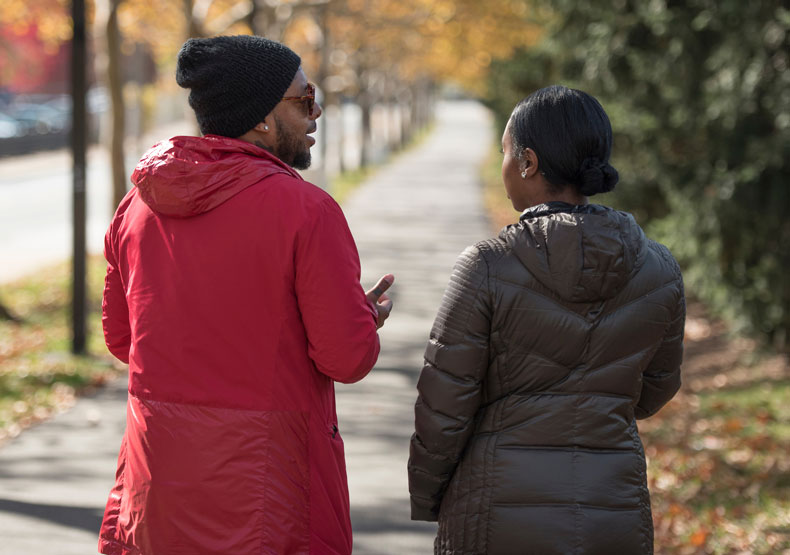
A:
(551, 340)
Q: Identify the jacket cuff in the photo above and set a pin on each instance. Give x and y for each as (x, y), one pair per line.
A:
(420, 512)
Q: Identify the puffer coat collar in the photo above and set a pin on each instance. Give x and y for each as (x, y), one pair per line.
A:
(187, 176)
(583, 253)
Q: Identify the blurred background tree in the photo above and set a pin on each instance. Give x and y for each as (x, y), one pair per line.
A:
(374, 54)
(697, 91)
(699, 97)
(368, 52)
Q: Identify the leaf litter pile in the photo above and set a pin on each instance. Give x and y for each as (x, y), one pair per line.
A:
(719, 452)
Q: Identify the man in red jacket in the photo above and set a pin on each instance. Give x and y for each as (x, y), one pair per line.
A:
(233, 292)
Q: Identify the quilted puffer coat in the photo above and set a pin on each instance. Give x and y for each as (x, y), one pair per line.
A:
(233, 292)
(550, 342)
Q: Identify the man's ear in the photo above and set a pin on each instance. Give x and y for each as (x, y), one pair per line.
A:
(263, 134)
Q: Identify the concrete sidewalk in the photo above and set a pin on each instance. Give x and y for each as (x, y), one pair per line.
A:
(412, 218)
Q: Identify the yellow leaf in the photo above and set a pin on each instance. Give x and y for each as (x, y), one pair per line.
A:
(699, 537)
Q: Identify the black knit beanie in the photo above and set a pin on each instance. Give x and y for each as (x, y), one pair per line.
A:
(234, 81)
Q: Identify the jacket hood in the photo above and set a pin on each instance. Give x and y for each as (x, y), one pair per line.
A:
(584, 253)
(187, 176)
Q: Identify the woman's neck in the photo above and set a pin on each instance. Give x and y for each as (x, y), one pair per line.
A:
(568, 193)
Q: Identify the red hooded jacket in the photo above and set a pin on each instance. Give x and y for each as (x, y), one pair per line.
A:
(233, 292)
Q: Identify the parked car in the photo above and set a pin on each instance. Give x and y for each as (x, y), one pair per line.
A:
(35, 122)
(41, 119)
(9, 127)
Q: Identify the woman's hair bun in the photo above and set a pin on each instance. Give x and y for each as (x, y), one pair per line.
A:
(596, 176)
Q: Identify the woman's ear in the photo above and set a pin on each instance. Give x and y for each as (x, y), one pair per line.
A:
(528, 163)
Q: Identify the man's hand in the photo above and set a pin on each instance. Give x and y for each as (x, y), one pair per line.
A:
(378, 296)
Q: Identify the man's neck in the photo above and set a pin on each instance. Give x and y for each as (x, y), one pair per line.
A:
(263, 146)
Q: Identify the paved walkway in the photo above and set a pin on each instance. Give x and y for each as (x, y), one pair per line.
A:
(412, 218)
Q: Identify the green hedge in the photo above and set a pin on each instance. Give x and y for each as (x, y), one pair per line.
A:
(699, 97)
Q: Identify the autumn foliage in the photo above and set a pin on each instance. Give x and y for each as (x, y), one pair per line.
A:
(404, 39)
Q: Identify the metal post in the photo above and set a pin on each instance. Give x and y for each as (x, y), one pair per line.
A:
(78, 148)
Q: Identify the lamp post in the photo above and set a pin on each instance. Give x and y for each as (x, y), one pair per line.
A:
(78, 149)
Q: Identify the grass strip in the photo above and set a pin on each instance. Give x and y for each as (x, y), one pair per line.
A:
(38, 374)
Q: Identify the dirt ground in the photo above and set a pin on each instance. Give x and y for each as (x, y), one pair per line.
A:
(713, 359)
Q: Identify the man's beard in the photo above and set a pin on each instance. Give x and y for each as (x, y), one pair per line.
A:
(290, 149)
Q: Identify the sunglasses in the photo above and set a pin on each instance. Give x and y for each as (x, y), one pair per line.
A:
(308, 99)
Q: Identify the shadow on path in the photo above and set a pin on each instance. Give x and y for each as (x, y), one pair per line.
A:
(81, 518)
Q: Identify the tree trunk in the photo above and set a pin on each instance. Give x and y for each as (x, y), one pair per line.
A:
(115, 82)
(323, 74)
(252, 17)
(194, 28)
(366, 106)
(415, 106)
(6, 314)
(265, 22)
(396, 138)
(422, 103)
(405, 120)
(365, 101)
(341, 138)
